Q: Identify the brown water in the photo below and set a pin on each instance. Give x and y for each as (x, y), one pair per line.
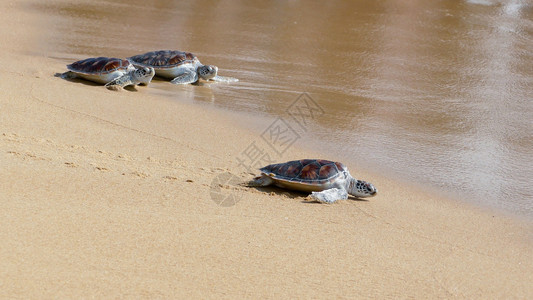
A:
(434, 92)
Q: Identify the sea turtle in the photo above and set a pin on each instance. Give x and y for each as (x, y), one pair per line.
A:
(115, 73)
(180, 67)
(327, 181)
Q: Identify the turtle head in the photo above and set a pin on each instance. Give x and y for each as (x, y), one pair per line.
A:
(207, 72)
(144, 75)
(361, 189)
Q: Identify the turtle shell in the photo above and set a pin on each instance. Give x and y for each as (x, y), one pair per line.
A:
(164, 59)
(99, 65)
(317, 172)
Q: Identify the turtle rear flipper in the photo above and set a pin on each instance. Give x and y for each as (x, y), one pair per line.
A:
(68, 75)
(262, 180)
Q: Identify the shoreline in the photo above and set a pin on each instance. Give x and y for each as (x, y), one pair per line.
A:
(110, 194)
(365, 169)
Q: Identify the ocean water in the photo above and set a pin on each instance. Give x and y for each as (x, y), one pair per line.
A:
(433, 92)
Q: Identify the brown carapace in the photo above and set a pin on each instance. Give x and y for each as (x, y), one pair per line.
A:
(313, 171)
(164, 58)
(99, 65)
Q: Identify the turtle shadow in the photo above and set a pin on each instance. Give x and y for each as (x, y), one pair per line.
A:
(277, 191)
(160, 79)
(130, 88)
(357, 199)
(292, 194)
(77, 80)
(163, 79)
(352, 198)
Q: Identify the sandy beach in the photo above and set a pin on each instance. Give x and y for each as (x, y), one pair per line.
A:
(110, 195)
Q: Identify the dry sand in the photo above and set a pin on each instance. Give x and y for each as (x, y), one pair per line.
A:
(107, 195)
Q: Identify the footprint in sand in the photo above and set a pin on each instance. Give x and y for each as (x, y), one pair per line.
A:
(140, 174)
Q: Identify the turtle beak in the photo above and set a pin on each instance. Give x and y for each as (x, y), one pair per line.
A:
(372, 189)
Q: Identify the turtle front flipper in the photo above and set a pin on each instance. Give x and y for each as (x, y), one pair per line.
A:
(68, 75)
(329, 196)
(224, 79)
(189, 76)
(120, 82)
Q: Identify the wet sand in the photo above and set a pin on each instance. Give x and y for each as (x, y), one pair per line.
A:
(434, 92)
(108, 195)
